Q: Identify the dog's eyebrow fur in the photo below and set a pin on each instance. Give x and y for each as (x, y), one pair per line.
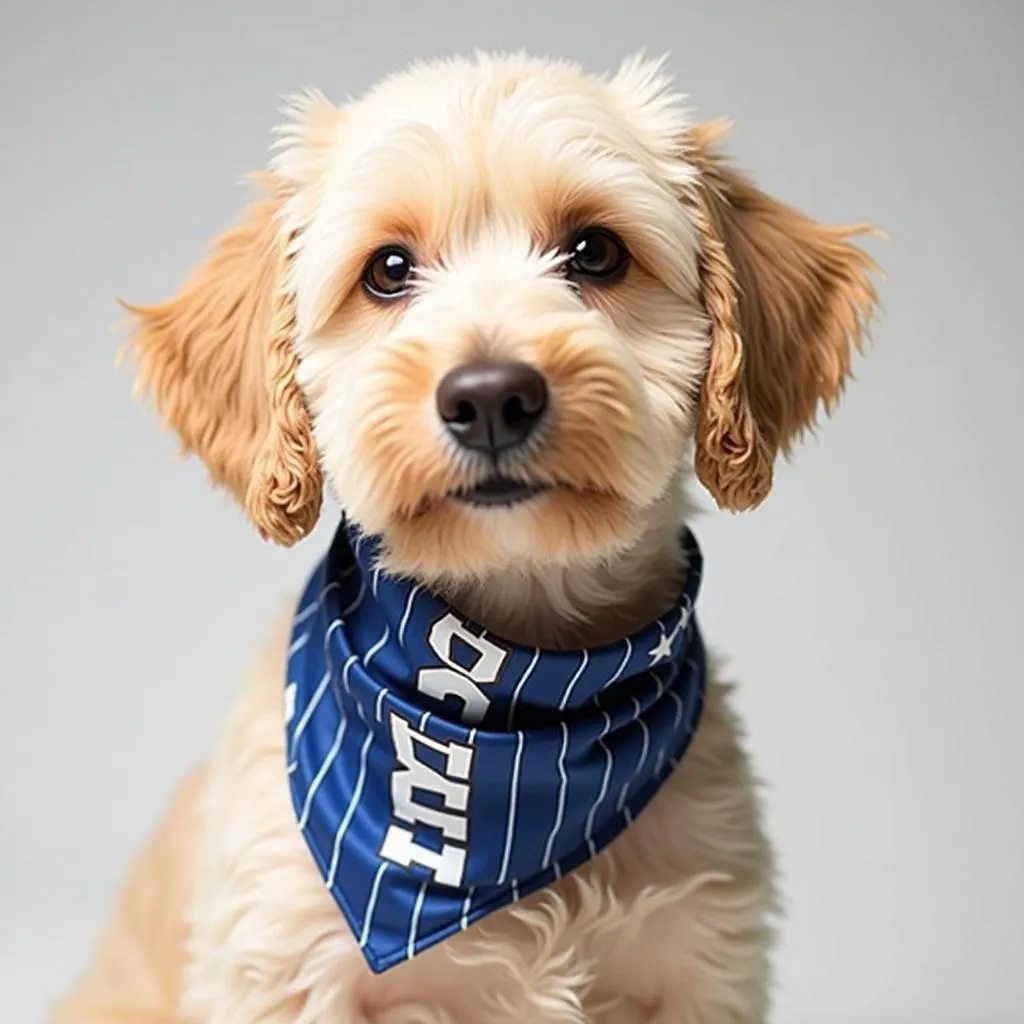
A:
(429, 206)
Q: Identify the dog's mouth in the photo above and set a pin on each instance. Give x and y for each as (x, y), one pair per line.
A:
(503, 492)
(499, 492)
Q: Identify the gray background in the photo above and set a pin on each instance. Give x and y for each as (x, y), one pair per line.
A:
(871, 609)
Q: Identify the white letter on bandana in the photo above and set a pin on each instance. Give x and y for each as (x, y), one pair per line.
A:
(452, 786)
(457, 680)
(414, 774)
(448, 865)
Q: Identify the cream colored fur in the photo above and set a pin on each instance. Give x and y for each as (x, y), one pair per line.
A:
(670, 920)
(733, 326)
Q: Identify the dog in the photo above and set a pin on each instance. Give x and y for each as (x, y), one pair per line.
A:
(507, 311)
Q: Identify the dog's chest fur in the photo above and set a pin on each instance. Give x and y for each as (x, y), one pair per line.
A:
(668, 924)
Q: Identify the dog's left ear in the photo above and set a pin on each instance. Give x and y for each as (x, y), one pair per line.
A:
(220, 363)
(788, 300)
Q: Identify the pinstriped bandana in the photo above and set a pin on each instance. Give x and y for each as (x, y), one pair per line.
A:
(439, 773)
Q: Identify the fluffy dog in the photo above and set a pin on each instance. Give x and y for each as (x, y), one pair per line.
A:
(503, 309)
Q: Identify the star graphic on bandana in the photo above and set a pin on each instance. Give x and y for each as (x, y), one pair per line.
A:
(663, 649)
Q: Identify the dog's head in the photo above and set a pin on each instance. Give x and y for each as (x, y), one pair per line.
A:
(500, 304)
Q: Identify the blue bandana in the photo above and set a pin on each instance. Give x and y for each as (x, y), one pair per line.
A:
(439, 773)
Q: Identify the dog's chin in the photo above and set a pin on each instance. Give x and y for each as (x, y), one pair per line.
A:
(503, 525)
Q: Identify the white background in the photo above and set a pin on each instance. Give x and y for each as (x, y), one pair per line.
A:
(871, 609)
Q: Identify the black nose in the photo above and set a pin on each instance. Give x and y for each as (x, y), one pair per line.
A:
(488, 407)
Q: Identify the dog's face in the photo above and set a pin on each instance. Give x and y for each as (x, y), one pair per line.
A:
(500, 330)
(498, 303)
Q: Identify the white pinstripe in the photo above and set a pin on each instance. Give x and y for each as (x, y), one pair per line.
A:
(645, 749)
(660, 761)
(562, 788)
(371, 904)
(588, 828)
(671, 681)
(466, 904)
(380, 701)
(328, 760)
(357, 601)
(410, 601)
(572, 682)
(361, 778)
(357, 794)
(692, 665)
(304, 613)
(679, 709)
(522, 682)
(298, 644)
(321, 688)
(370, 654)
(329, 632)
(414, 923)
(300, 726)
(622, 666)
(317, 602)
(513, 798)
(376, 648)
(663, 685)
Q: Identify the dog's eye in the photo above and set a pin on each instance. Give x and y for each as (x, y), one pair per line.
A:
(598, 255)
(387, 273)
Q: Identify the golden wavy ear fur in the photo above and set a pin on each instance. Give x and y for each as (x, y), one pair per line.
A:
(219, 363)
(788, 301)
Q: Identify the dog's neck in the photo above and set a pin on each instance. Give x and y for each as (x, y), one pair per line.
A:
(584, 605)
